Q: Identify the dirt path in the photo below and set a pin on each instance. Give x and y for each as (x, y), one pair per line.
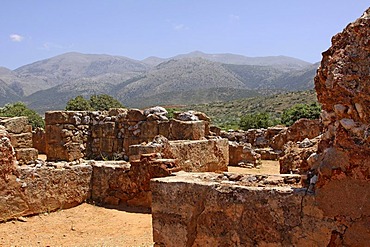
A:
(85, 225)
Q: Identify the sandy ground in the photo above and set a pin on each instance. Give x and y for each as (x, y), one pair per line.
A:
(85, 225)
(88, 225)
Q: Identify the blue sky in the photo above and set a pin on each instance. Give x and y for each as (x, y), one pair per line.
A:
(38, 29)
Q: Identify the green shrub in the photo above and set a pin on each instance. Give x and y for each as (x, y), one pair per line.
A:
(20, 109)
(78, 104)
(101, 102)
(257, 121)
(296, 112)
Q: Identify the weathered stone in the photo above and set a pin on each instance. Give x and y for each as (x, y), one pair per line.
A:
(186, 130)
(23, 140)
(15, 125)
(301, 129)
(25, 155)
(44, 189)
(121, 183)
(206, 210)
(242, 153)
(39, 140)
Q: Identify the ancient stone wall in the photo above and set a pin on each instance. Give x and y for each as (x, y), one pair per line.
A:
(333, 210)
(192, 155)
(20, 134)
(108, 135)
(39, 140)
(128, 184)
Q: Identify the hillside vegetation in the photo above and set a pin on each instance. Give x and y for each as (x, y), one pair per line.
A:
(227, 114)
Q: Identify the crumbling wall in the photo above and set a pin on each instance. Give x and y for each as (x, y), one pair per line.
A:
(20, 134)
(128, 184)
(343, 88)
(39, 140)
(109, 134)
(333, 210)
(195, 209)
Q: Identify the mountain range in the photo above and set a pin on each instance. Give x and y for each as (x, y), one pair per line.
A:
(190, 78)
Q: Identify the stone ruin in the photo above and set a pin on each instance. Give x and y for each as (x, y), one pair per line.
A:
(140, 158)
(106, 158)
(331, 209)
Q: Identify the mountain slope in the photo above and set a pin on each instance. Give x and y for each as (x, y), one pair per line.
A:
(280, 62)
(176, 76)
(73, 66)
(7, 95)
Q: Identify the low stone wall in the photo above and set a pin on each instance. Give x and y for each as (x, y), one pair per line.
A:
(33, 190)
(192, 155)
(197, 209)
(128, 184)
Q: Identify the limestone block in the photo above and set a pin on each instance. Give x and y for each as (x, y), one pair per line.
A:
(135, 115)
(121, 183)
(15, 125)
(7, 155)
(44, 189)
(25, 155)
(23, 140)
(200, 155)
(187, 130)
(197, 209)
(39, 140)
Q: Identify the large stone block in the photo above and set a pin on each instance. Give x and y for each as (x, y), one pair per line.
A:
(200, 155)
(23, 140)
(25, 155)
(128, 184)
(16, 125)
(187, 130)
(44, 189)
(39, 140)
(197, 209)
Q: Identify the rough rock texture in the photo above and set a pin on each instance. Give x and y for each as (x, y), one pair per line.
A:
(20, 134)
(301, 129)
(128, 184)
(243, 155)
(39, 140)
(7, 157)
(192, 155)
(43, 189)
(296, 156)
(343, 88)
(195, 209)
(109, 134)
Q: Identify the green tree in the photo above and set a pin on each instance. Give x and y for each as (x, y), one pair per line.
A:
(256, 121)
(78, 104)
(296, 112)
(103, 102)
(20, 109)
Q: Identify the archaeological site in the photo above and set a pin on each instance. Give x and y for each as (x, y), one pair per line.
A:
(177, 168)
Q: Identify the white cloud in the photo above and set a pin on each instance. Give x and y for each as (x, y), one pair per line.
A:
(179, 27)
(16, 37)
(234, 18)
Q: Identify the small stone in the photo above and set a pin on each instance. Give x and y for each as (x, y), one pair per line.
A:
(22, 219)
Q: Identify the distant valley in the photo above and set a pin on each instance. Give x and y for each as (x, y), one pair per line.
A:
(185, 79)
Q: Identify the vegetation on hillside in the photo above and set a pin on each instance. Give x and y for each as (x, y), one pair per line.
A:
(19, 109)
(227, 115)
(257, 121)
(292, 114)
(101, 102)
